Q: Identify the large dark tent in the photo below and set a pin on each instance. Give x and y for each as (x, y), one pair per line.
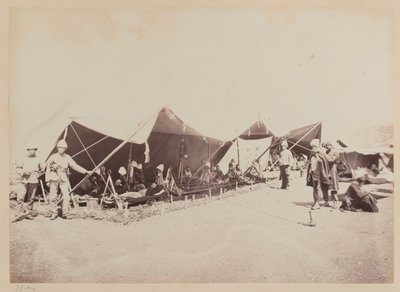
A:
(171, 141)
(164, 136)
(89, 148)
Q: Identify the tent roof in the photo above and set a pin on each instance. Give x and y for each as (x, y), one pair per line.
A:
(256, 131)
(161, 121)
(299, 139)
(169, 123)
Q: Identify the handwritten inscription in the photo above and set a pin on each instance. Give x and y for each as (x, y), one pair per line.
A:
(23, 288)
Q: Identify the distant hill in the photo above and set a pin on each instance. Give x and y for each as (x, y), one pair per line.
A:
(379, 136)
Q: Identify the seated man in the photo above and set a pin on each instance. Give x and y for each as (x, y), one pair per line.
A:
(219, 175)
(92, 186)
(119, 187)
(205, 176)
(341, 168)
(254, 173)
(357, 199)
(373, 170)
(187, 175)
(232, 175)
(122, 175)
(239, 170)
(136, 175)
(160, 181)
(159, 186)
(240, 176)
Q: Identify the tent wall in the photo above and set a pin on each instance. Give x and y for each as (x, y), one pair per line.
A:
(77, 133)
(301, 138)
(164, 149)
(354, 160)
(249, 150)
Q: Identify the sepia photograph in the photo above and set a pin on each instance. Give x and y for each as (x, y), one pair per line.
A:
(201, 144)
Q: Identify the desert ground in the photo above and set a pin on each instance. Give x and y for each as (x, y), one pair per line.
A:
(252, 236)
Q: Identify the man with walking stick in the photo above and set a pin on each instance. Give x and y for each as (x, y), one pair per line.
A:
(57, 169)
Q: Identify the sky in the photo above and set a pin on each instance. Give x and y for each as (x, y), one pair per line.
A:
(219, 69)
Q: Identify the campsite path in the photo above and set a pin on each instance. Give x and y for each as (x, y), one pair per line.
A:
(250, 237)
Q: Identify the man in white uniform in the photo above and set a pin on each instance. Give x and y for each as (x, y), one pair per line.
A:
(28, 170)
(57, 177)
(285, 162)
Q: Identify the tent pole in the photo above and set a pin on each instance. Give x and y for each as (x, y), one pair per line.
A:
(237, 150)
(114, 151)
(281, 138)
(127, 181)
(65, 133)
(87, 152)
(209, 157)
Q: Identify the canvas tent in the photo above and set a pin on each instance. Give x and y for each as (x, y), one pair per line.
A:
(299, 139)
(363, 158)
(155, 141)
(89, 148)
(248, 146)
(170, 133)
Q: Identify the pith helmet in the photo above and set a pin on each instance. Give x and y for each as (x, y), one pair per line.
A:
(31, 146)
(62, 144)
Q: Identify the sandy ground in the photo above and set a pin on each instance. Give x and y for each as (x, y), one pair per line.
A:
(249, 237)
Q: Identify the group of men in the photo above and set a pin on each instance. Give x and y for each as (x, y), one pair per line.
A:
(56, 172)
(322, 175)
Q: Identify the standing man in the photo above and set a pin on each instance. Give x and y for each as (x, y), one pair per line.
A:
(29, 170)
(318, 174)
(333, 156)
(285, 162)
(57, 177)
